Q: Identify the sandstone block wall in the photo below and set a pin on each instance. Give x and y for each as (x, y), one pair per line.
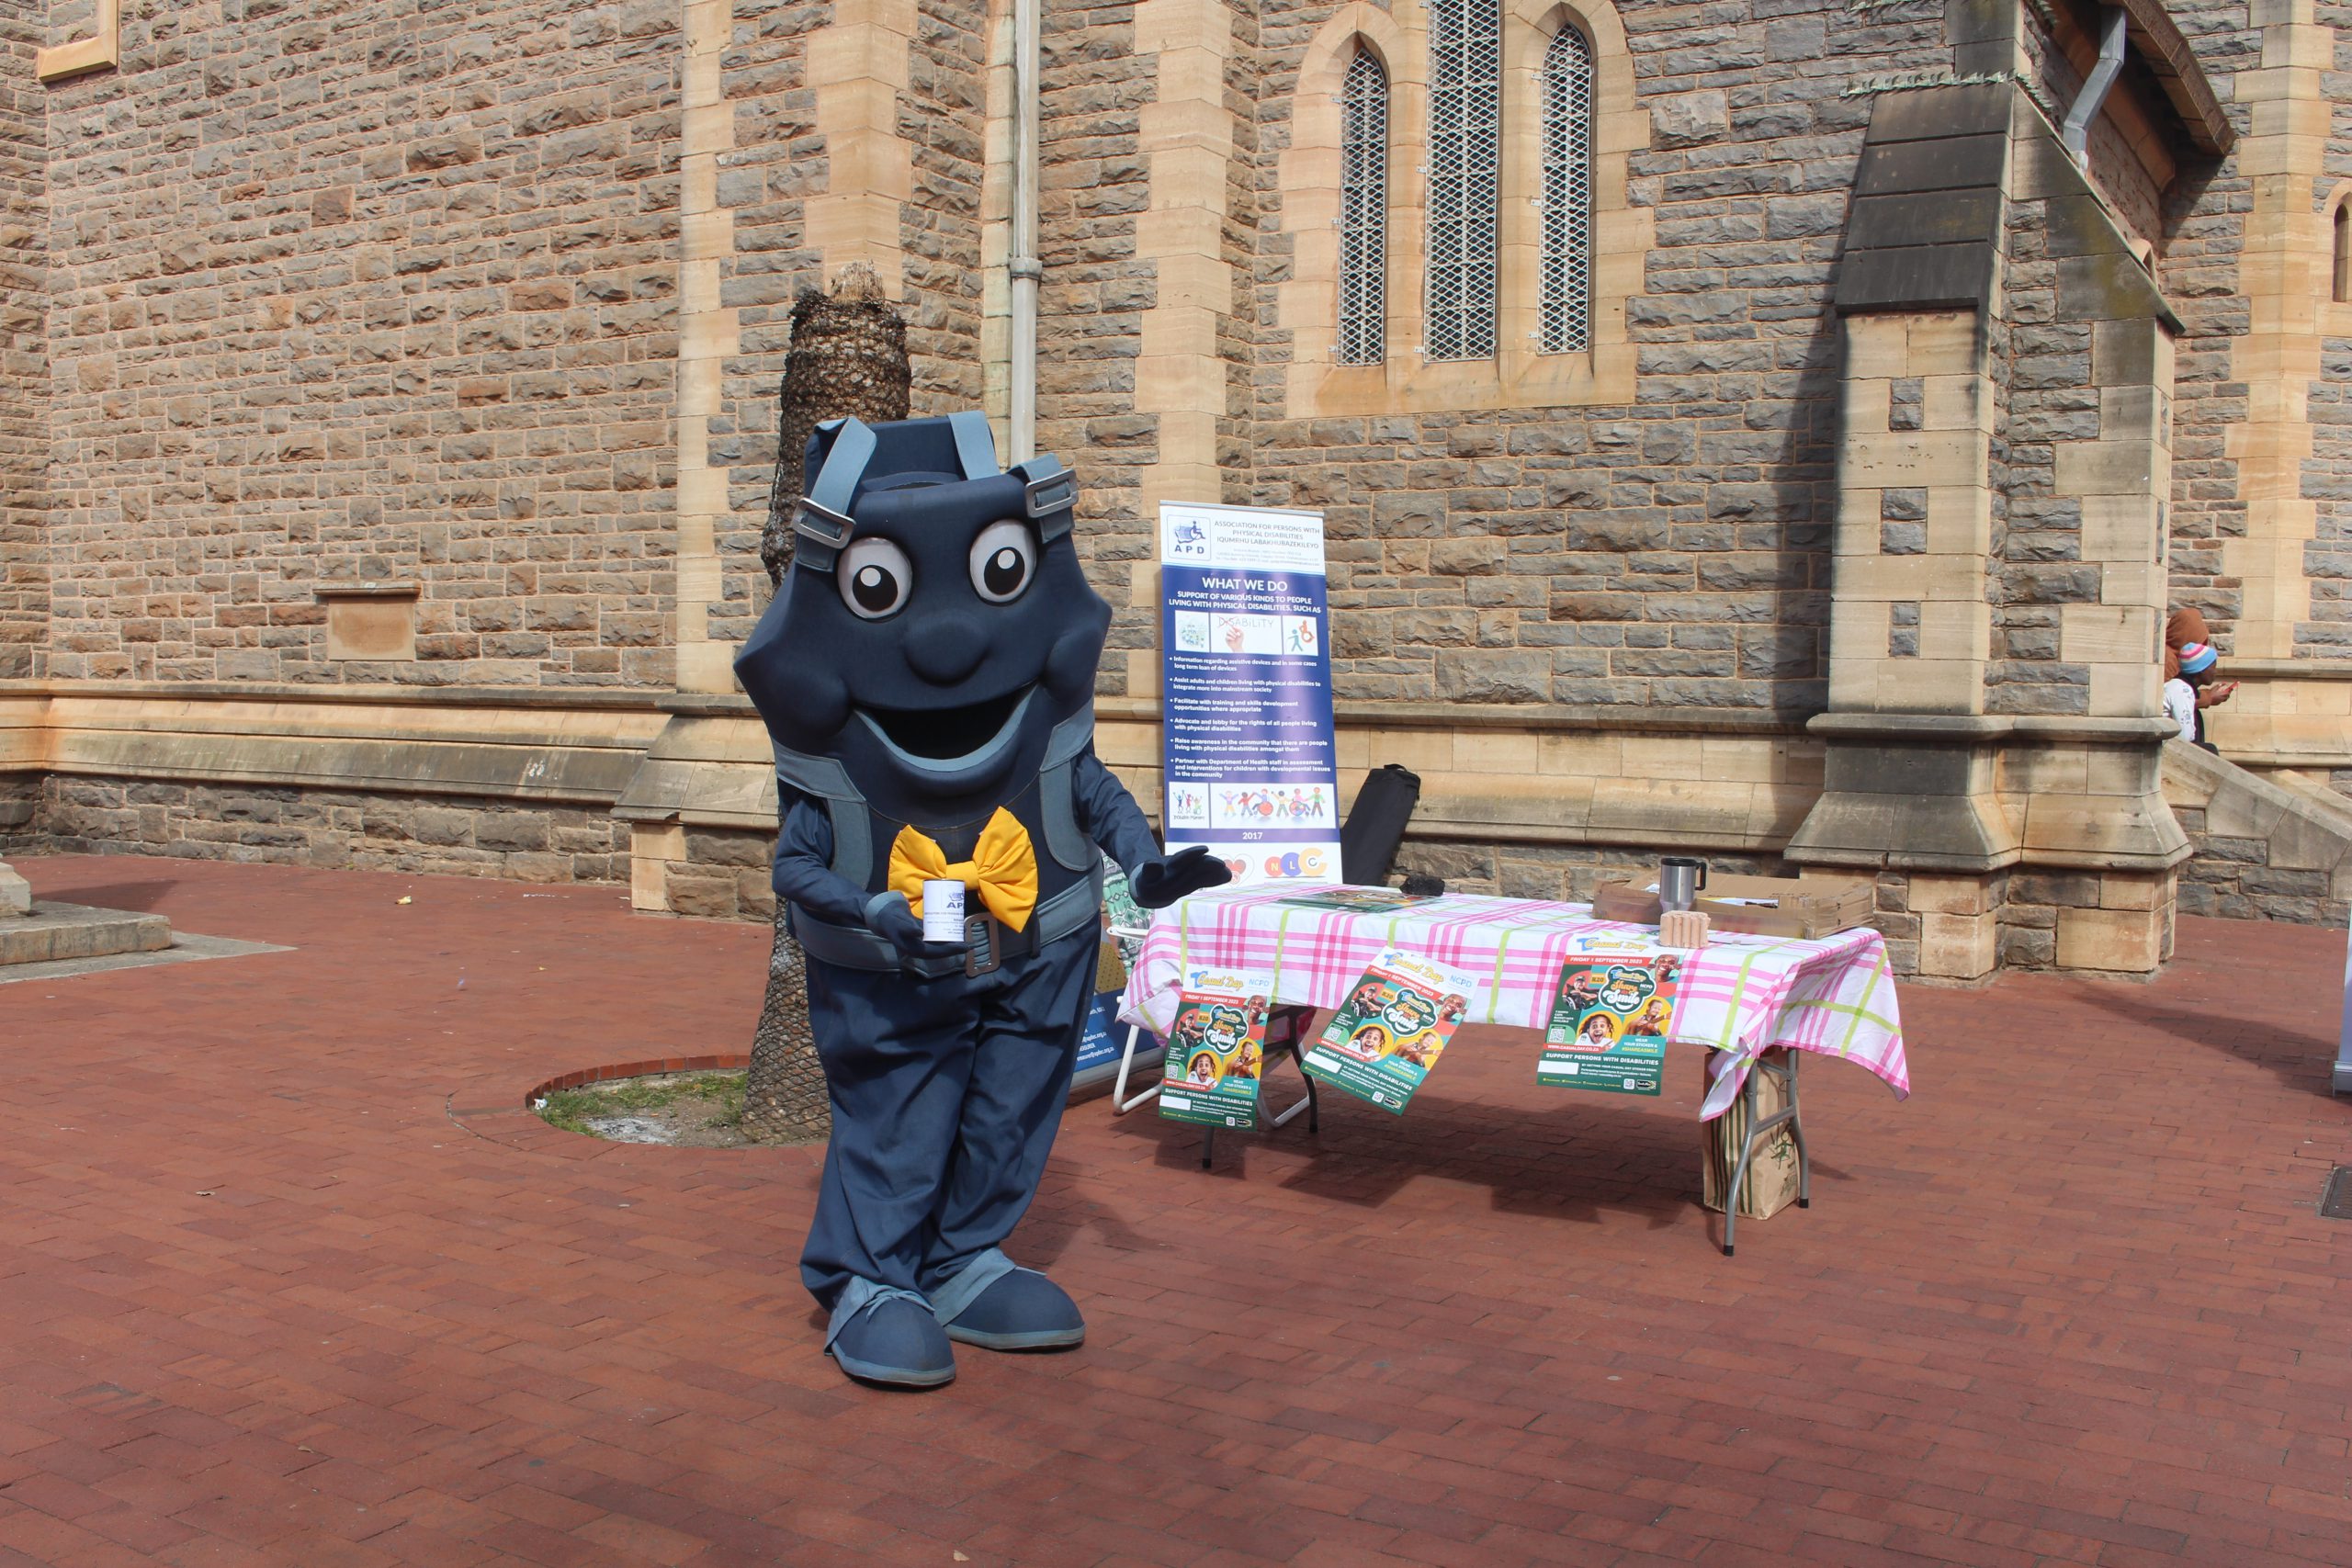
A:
(364, 831)
(382, 293)
(2325, 632)
(2198, 265)
(1671, 548)
(24, 371)
(2264, 852)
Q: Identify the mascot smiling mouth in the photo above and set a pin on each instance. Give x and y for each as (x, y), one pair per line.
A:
(944, 740)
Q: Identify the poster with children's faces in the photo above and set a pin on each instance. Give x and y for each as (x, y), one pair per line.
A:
(1385, 1040)
(1609, 1024)
(1217, 1049)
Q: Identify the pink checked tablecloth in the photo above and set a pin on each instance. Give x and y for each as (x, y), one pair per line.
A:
(1741, 995)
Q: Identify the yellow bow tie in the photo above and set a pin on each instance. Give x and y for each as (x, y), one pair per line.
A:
(1002, 870)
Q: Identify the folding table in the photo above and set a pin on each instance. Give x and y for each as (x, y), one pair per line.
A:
(1744, 998)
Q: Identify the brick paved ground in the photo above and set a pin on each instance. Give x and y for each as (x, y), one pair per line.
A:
(264, 1301)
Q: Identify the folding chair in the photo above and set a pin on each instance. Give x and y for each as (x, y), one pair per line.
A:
(1120, 1104)
(1369, 839)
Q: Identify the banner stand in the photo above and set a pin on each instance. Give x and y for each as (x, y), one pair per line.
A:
(1249, 763)
(2344, 1035)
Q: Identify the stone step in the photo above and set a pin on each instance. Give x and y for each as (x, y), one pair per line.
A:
(55, 931)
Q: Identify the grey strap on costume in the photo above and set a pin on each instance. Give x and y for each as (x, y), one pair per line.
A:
(965, 1286)
(823, 521)
(1053, 492)
(856, 1297)
(829, 782)
(1056, 802)
(975, 446)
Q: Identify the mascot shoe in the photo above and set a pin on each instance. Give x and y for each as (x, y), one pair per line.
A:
(999, 1306)
(893, 1339)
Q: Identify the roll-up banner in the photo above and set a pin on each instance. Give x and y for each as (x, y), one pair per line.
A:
(2344, 1039)
(1252, 768)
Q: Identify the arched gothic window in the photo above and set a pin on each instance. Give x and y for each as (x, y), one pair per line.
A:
(1568, 193)
(1465, 107)
(1364, 211)
(2344, 253)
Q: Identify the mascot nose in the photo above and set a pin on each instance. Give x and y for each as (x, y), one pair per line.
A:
(944, 649)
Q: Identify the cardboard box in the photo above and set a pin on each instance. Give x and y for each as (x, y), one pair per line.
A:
(1759, 905)
(1771, 1184)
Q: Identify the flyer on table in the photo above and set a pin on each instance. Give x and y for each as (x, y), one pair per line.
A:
(1251, 767)
(1216, 1049)
(1385, 1040)
(1609, 1024)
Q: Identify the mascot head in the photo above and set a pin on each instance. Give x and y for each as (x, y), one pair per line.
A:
(935, 625)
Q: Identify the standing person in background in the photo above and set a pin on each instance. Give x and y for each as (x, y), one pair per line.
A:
(2191, 690)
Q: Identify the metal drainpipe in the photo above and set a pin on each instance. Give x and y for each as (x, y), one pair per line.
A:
(1022, 263)
(2076, 134)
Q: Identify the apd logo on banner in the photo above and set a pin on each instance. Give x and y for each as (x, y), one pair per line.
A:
(1252, 768)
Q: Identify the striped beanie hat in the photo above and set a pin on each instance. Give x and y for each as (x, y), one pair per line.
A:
(2196, 657)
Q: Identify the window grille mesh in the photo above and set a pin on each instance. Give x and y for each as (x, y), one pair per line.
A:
(1568, 193)
(1364, 212)
(1465, 108)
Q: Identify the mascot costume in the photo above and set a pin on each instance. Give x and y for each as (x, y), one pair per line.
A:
(927, 674)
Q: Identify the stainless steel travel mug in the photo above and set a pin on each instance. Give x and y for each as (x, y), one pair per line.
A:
(1679, 878)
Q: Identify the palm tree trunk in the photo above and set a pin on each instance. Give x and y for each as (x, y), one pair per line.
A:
(848, 358)
(783, 1094)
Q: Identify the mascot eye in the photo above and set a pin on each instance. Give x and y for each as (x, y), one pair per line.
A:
(1003, 557)
(876, 578)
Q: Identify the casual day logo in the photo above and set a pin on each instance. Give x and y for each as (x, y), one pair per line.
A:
(1409, 1013)
(1626, 988)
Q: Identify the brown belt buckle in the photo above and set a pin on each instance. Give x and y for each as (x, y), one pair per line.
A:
(981, 956)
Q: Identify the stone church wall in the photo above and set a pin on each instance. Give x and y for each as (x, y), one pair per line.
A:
(2198, 266)
(1670, 547)
(2326, 633)
(372, 294)
(471, 318)
(24, 377)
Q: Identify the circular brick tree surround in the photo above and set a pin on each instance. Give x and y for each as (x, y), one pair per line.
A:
(497, 1107)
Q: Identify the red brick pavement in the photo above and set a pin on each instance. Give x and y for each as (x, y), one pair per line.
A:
(265, 1300)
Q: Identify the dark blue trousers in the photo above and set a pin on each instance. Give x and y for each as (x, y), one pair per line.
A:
(946, 1095)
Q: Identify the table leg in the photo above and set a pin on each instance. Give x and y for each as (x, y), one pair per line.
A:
(1739, 1171)
(1796, 1131)
(1289, 1049)
(1120, 1104)
(1759, 1130)
(1275, 1051)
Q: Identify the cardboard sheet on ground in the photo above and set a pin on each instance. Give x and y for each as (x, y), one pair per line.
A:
(1217, 1049)
(1609, 1024)
(1385, 1040)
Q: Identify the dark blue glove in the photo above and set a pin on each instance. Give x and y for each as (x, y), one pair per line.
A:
(1160, 883)
(894, 922)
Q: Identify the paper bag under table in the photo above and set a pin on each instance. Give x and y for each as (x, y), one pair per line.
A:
(1771, 1183)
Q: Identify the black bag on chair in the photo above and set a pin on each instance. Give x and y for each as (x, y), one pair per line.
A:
(1375, 826)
